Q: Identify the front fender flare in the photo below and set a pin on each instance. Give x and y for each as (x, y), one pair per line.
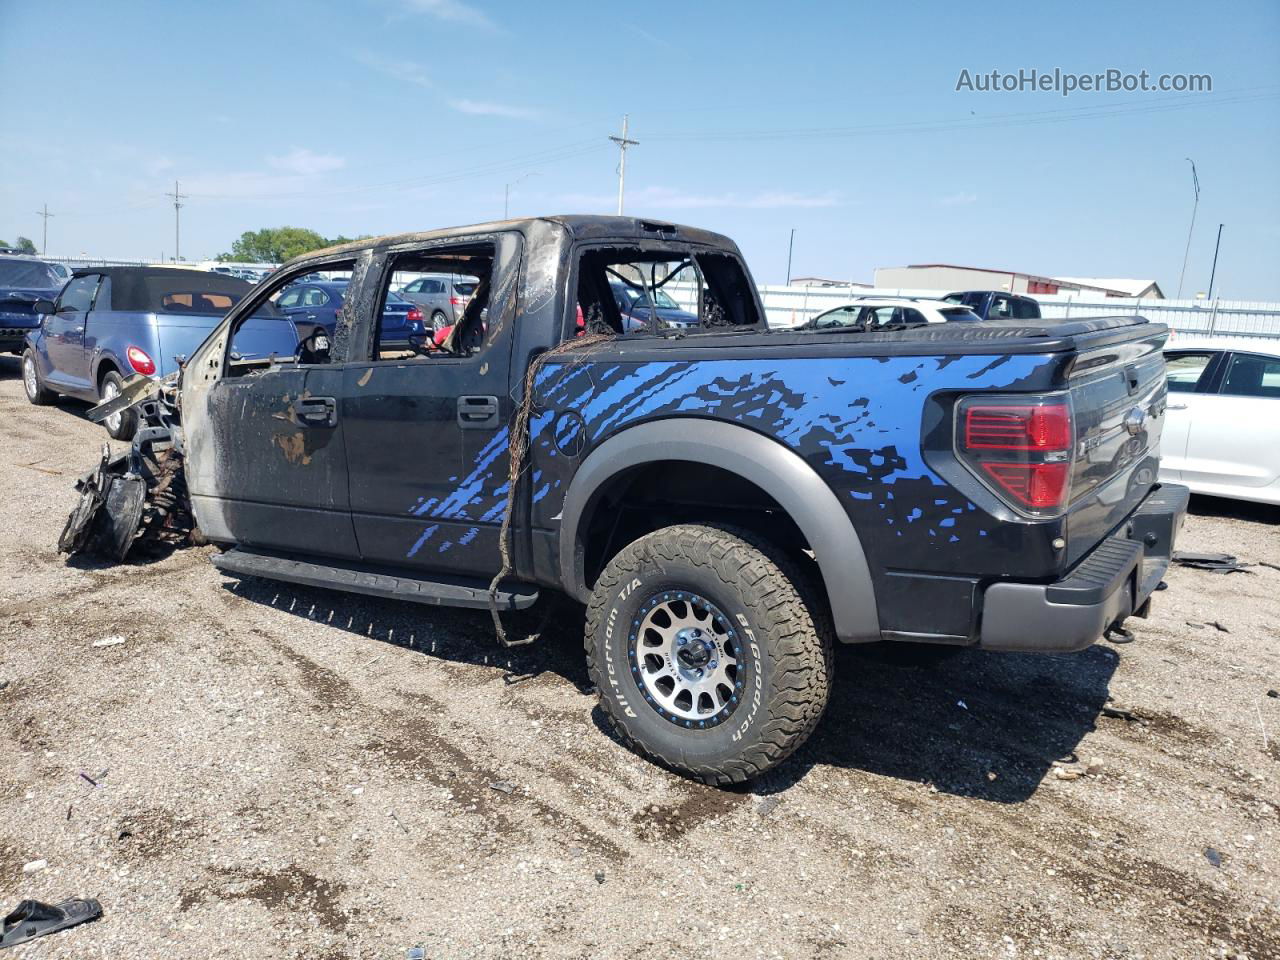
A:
(774, 468)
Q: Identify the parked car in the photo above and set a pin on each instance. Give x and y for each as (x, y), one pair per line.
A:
(726, 503)
(441, 296)
(885, 313)
(316, 305)
(110, 323)
(23, 283)
(634, 305)
(1222, 432)
(997, 304)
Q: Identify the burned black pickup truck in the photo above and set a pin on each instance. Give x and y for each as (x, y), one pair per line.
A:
(727, 500)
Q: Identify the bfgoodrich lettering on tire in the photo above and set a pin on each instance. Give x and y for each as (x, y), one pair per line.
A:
(706, 656)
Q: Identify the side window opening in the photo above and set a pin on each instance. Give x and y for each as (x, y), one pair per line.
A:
(284, 328)
(434, 304)
(659, 291)
(1184, 370)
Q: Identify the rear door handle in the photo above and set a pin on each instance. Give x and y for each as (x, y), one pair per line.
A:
(476, 413)
(317, 411)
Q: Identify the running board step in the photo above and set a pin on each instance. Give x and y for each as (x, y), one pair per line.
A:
(442, 591)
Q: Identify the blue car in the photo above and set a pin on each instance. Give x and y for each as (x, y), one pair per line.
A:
(314, 304)
(23, 282)
(634, 305)
(110, 323)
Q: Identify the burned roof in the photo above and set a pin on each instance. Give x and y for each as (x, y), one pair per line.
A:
(580, 225)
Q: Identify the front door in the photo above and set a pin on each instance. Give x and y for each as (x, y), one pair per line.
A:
(1234, 439)
(64, 335)
(267, 464)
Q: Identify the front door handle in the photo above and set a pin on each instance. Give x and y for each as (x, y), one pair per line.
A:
(476, 413)
(317, 411)
(1176, 406)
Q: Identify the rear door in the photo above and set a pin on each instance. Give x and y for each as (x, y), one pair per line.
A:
(64, 334)
(426, 433)
(1188, 374)
(1234, 436)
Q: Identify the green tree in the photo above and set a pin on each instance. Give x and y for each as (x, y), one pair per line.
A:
(274, 244)
(23, 245)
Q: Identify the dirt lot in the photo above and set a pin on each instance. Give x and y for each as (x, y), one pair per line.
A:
(291, 773)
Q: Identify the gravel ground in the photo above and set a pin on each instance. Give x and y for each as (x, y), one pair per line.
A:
(262, 771)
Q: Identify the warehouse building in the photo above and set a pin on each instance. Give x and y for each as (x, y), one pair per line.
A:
(948, 276)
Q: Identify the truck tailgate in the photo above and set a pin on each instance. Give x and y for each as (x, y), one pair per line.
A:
(1117, 387)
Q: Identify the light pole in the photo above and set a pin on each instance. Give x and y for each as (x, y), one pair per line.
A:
(1214, 271)
(790, 246)
(1196, 181)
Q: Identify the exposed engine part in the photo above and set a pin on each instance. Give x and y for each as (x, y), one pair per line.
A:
(137, 498)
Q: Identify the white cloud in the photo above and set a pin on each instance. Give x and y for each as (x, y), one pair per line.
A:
(451, 11)
(157, 165)
(666, 198)
(483, 108)
(406, 71)
(962, 199)
(305, 163)
(653, 38)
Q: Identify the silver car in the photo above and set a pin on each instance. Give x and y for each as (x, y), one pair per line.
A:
(441, 296)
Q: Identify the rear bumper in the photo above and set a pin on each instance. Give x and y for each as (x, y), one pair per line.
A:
(12, 338)
(1112, 582)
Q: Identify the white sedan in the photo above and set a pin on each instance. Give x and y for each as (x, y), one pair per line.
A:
(1222, 430)
(890, 313)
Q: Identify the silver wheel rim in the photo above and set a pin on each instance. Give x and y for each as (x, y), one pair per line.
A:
(29, 377)
(685, 657)
(110, 390)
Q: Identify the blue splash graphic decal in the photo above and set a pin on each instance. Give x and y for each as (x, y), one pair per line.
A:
(856, 420)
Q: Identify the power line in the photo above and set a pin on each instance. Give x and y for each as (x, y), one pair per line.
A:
(1027, 118)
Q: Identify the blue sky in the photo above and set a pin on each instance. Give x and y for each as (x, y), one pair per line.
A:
(840, 120)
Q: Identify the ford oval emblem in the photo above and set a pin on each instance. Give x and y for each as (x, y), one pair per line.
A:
(1135, 420)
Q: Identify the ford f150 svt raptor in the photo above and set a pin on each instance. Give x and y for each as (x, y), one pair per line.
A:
(727, 500)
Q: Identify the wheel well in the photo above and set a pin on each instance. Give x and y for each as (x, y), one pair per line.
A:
(660, 494)
(105, 366)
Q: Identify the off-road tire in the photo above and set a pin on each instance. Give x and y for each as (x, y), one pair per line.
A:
(40, 396)
(128, 424)
(787, 667)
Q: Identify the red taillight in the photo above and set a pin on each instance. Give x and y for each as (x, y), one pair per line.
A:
(1038, 485)
(455, 302)
(414, 315)
(1018, 428)
(140, 362)
(1021, 447)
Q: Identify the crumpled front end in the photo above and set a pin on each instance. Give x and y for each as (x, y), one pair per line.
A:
(135, 501)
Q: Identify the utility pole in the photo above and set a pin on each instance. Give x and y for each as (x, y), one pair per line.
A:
(44, 236)
(1214, 271)
(1195, 180)
(790, 246)
(506, 190)
(623, 143)
(177, 205)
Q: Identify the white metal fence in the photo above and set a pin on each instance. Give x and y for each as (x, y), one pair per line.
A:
(788, 306)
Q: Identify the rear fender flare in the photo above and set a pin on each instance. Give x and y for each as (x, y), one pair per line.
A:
(774, 468)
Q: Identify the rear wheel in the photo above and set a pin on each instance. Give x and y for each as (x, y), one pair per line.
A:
(36, 392)
(439, 321)
(120, 426)
(706, 656)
